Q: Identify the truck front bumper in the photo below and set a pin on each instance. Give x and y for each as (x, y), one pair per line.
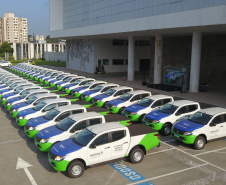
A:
(31, 133)
(155, 126)
(182, 138)
(44, 147)
(59, 165)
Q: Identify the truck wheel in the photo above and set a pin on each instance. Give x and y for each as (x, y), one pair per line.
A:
(136, 155)
(166, 129)
(141, 118)
(199, 143)
(75, 169)
(120, 110)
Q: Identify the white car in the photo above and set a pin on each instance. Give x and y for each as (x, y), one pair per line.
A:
(137, 111)
(88, 95)
(66, 128)
(40, 110)
(67, 81)
(201, 127)
(4, 63)
(119, 104)
(163, 119)
(115, 92)
(60, 79)
(102, 143)
(33, 126)
(77, 83)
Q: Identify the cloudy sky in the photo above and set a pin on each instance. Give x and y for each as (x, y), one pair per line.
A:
(36, 12)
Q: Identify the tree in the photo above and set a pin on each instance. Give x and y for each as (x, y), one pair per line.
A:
(50, 40)
(6, 48)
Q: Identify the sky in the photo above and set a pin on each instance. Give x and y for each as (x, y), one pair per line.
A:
(36, 12)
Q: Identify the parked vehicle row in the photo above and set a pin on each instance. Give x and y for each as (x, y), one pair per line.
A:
(68, 131)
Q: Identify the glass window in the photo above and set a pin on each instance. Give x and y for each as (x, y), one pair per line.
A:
(168, 108)
(126, 90)
(93, 86)
(98, 88)
(126, 96)
(192, 108)
(167, 100)
(144, 95)
(79, 126)
(62, 104)
(136, 97)
(83, 137)
(49, 107)
(39, 106)
(62, 116)
(110, 92)
(77, 111)
(101, 140)
(65, 124)
(51, 114)
(217, 120)
(105, 61)
(117, 135)
(119, 93)
(82, 83)
(182, 110)
(95, 121)
(224, 116)
(118, 62)
(157, 104)
(200, 118)
(146, 102)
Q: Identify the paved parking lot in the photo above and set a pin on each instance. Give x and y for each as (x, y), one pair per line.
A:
(172, 163)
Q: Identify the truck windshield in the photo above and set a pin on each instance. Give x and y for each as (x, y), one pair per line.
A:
(126, 96)
(110, 92)
(146, 102)
(24, 94)
(13, 86)
(54, 75)
(18, 90)
(51, 114)
(67, 79)
(60, 77)
(98, 88)
(168, 109)
(31, 99)
(39, 106)
(65, 124)
(83, 137)
(9, 83)
(87, 85)
(76, 82)
(200, 118)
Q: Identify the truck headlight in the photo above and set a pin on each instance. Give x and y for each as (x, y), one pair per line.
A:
(3, 98)
(44, 140)
(31, 128)
(66, 88)
(58, 85)
(155, 121)
(8, 104)
(133, 113)
(14, 110)
(59, 158)
(97, 100)
(75, 92)
(21, 117)
(187, 133)
(113, 106)
(86, 96)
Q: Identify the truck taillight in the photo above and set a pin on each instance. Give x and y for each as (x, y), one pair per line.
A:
(129, 122)
(157, 135)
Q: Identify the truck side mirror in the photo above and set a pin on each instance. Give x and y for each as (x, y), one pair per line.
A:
(212, 124)
(178, 114)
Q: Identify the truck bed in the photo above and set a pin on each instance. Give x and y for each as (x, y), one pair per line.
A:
(138, 129)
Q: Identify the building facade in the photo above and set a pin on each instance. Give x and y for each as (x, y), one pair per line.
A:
(13, 29)
(132, 35)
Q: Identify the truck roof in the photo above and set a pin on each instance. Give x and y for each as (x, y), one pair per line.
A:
(98, 82)
(45, 95)
(213, 110)
(122, 87)
(56, 100)
(79, 116)
(38, 90)
(182, 102)
(109, 84)
(96, 129)
(138, 92)
(84, 79)
(70, 107)
(159, 96)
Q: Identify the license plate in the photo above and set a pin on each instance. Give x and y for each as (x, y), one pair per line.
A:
(126, 116)
(175, 135)
(50, 161)
(36, 143)
(147, 124)
(108, 108)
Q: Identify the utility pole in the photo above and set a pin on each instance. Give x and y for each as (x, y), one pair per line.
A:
(34, 48)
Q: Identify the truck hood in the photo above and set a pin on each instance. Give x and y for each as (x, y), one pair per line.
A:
(4, 90)
(64, 147)
(19, 105)
(8, 95)
(49, 132)
(157, 115)
(13, 100)
(26, 112)
(69, 85)
(116, 101)
(100, 96)
(78, 89)
(37, 121)
(187, 125)
(89, 92)
(61, 82)
(135, 108)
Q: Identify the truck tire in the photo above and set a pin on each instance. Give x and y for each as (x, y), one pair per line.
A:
(166, 129)
(141, 118)
(136, 155)
(120, 110)
(75, 169)
(199, 143)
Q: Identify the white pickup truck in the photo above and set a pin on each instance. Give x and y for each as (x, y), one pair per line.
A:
(201, 127)
(100, 144)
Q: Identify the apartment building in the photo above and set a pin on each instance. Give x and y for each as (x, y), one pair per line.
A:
(13, 29)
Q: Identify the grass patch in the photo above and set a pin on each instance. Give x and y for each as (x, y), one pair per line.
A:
(43, 62)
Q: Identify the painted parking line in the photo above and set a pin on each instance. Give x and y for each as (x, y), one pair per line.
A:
(168, 174)
(127, 172)
(210, 151)
(11, 141)
(166, 150)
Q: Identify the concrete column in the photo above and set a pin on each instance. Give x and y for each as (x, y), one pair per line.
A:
(195, 61)
(29, 50)
(21, 51)
(45, 48)
(131, 54)
(14, 51)
(158, 60)
(40, 51)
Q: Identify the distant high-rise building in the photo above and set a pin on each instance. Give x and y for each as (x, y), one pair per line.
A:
(13, 29)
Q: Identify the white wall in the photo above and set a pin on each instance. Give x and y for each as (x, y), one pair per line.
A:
(56, 14)
(55, 56)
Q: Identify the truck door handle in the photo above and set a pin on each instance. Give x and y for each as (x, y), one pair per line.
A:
(107, 147)
(125, 143)
(221, 126)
